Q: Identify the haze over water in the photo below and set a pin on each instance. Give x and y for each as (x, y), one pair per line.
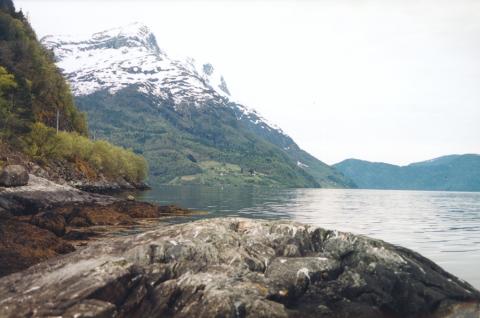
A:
(443, 226)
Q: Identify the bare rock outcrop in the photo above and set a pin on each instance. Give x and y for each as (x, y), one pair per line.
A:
(40, 194)
(238, 268)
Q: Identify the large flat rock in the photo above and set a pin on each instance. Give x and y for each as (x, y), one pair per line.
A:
(40, 194)
(238, 268)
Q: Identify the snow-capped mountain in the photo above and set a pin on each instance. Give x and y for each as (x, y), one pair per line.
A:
(179, 113)
(117, 58)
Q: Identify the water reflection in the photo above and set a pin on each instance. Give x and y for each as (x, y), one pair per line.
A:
(444, 226)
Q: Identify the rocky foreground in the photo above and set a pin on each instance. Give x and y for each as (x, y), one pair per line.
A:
(40, 219)
(238, 268)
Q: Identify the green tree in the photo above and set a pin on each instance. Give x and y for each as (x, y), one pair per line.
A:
(41, 89)
(7, 86)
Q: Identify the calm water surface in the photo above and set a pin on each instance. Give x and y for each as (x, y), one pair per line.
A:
(443, 226)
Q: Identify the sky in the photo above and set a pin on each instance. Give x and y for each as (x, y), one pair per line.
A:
(379, 80)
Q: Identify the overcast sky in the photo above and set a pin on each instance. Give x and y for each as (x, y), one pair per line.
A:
(394, 81)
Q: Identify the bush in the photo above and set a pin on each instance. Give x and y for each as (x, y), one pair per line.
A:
(43, 144)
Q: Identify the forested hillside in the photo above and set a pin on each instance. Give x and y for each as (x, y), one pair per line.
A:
(35, 100)
(32, 89)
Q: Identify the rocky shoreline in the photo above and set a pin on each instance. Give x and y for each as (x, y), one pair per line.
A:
(237, 267)
(43, 219)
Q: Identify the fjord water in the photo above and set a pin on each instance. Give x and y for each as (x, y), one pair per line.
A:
(443, 226)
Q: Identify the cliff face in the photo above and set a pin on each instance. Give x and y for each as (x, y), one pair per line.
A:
(239, 268)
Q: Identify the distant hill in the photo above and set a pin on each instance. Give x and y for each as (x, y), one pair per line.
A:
(449, 173)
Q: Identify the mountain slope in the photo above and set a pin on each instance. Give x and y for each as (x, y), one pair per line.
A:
(450, 173)
(179, 114)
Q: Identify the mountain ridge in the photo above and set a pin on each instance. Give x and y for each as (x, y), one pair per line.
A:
(458, 172)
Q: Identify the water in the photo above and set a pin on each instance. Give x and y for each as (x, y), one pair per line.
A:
(443, 226)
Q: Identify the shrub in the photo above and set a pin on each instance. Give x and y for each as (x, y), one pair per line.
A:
(43, 144)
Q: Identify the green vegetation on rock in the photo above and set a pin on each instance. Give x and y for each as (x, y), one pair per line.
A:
(43, 144)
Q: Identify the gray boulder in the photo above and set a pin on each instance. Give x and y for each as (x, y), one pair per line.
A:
(13, 176)
(238, 268)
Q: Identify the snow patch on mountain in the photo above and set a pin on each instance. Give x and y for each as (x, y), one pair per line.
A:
(121, 57)
(254, 117)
